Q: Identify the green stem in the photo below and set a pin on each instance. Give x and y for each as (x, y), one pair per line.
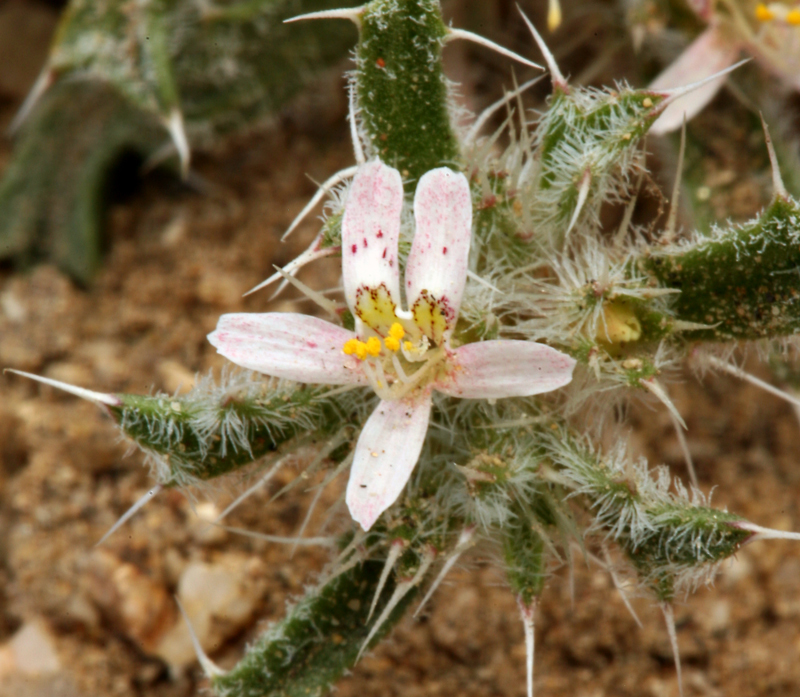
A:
(402, 91)
(215, 430)
(743, 282)
(321, 638)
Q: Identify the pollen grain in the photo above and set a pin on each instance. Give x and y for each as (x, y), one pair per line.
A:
(354, 347)
(763, 13)
(392, 344)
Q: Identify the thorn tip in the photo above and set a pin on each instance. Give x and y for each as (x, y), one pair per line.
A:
(559, 83)
(777, 180)
(454, 34)
(98, 397)
(210, 668)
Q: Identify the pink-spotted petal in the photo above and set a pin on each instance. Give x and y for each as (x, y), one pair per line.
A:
(709, 53)
(288, 345)
(437, 264)
(387, 450)
(495, 369)
(370, 233)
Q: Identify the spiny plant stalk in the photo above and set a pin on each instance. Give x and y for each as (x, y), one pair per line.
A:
(401, 88)
(490, 323)
(217, 429)
(740, 282)
(307, 652)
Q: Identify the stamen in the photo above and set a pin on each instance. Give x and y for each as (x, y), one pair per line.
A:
(350, 347)
(434, 358)
(415, 354)
(373, 346)
(381, 375)
(793, 17)
(377, 386)
(396, 332)
(399, 368)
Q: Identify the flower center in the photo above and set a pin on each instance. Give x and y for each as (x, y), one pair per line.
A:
(779, 11)
(387, 362)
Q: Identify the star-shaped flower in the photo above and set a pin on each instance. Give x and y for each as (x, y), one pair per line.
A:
(402, 354)
(768, 32)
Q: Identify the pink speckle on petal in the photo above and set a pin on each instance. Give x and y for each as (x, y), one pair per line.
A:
(444, 250)
(365, 242)
(383, 256)
(379, 235)
(354, 248)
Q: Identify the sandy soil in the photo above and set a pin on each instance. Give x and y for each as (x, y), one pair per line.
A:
(177, 261)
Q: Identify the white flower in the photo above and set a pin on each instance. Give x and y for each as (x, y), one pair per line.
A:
(402, 354)
(768, 32)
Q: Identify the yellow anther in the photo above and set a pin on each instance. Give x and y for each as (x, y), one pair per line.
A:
(793, 17)
(354, 347)
(396, 331)
(408, 346)
(763, 13)
(350, 346)
(391, 343)
(373, 346)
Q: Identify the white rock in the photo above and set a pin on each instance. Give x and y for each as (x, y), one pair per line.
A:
(30, 652)
(219, 599)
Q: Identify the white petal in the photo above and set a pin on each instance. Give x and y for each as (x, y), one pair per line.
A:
(387, 450)
(437, 263)
(709, 53)
(288, 345)
(494, 369)
(703, 8)
(370, 232)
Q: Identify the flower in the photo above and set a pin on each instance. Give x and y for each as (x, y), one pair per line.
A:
(768, 32)
(402, 354)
